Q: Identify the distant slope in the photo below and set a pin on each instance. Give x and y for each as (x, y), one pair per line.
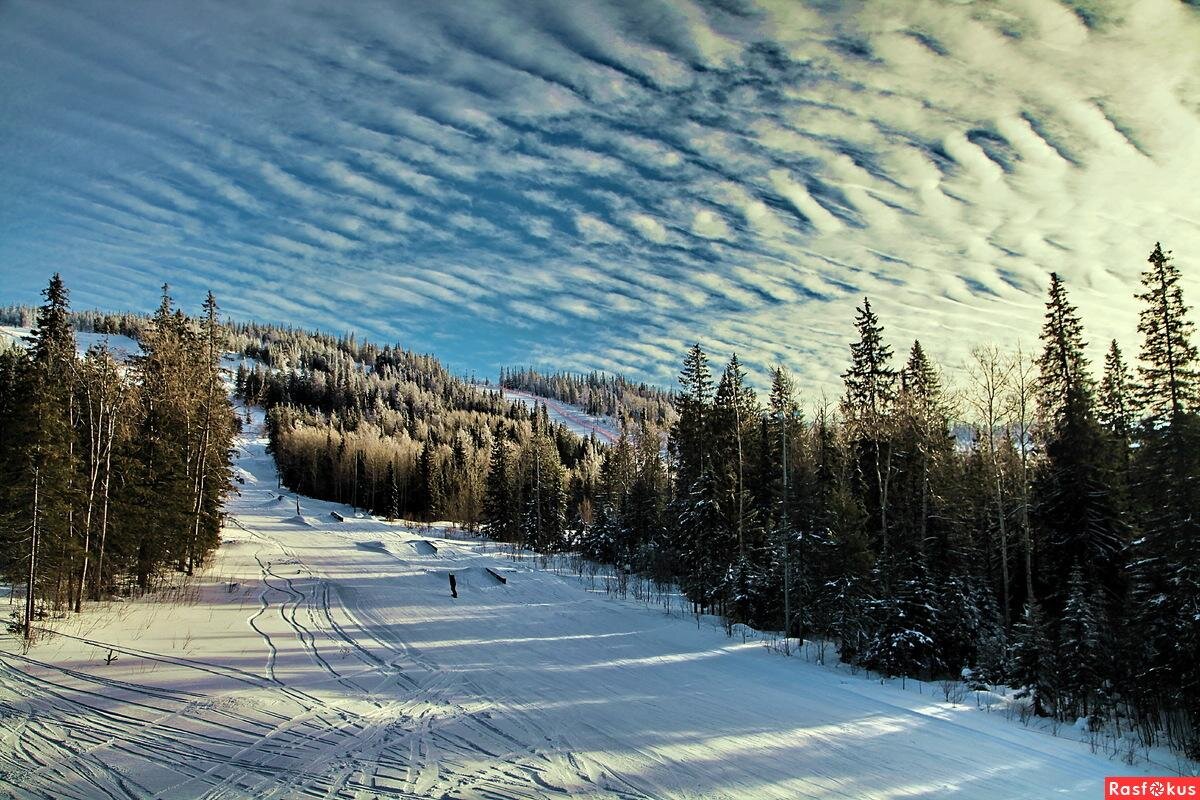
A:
(598, 395)
(573, 418)
(122, 347)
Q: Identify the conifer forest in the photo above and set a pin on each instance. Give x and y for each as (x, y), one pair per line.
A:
(1031, 525)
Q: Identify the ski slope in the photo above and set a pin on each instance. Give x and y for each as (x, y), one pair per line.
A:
(606, 429)
(123, 348)
(326, 659)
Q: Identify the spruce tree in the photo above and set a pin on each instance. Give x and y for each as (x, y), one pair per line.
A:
(925, 445)
(1064, 383)
(1115, 403)
(44, 479)
(1034, 662)
(500, 503)
(690, 435)
(1076, 502)
(1167, 556)
(1168, 386)
(1082, 650)
(867, 406)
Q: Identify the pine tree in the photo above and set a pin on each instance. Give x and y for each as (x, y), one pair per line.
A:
(646, 500)
(783, 451)
(1064, 383)
(1167, 556)
(500, 504)
(1168, 387)
(690, 435)
(734, 418)
(867, 407)
(705, 544)
(543, 522)
(1034, 662)
(925, 445)
(1076, 499)
(44, 489)
(393, 490)
(903, 642)
(1081, 647)
(1114, 408)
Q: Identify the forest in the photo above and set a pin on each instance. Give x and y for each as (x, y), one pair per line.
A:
(1035, 525)
(112, 474)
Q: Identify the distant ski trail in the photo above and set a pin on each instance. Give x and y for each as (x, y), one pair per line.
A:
(566, 414)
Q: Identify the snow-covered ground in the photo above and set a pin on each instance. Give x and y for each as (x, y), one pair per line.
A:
(572, 417)
(122, 347)
(326, 659)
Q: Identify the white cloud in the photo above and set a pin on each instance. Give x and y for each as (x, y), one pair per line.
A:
(649, 227)
(710, 225)
(644, 175)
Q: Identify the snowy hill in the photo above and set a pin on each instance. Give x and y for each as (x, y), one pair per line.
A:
(320, 657)
(122, 347)
(606, 429)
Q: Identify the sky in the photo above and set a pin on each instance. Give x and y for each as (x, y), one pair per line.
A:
(596, 185)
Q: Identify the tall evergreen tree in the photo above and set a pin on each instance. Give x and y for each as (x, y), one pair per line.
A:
(1168, 387)
(1082, 648)
(690, 435)
(501, 518)
(44, 480)
(1115, 404)
(1076, 501)
(867, 407)
(1167, 557)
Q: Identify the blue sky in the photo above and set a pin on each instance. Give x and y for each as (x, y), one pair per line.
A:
(594, 185)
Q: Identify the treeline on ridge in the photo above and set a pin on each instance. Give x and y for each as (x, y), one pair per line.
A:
(393, 432)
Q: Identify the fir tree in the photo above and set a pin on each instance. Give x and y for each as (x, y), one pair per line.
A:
(1114, 408)
(45, 442)
(1064, 384)
(1034, 662)
(1076, 502)
(500, 504)
(689, 436)
(1167, 557)
(867, 406)
(1081, 648)
(1168, 376)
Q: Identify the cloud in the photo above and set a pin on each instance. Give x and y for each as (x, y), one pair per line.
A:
(649, 227)
(498, 180)
(709, 225)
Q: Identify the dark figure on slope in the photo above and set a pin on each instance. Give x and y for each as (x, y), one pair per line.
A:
(453, 586)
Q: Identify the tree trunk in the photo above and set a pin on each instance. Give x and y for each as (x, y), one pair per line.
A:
(33, 546)
(98, 583)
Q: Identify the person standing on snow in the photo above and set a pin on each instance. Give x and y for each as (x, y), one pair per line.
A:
(453, 586)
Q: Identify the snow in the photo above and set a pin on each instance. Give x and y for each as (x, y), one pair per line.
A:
(122, 347)
(327, 659)
(572, 417)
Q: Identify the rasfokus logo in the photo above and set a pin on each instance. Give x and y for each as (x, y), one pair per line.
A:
(1152, 787)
